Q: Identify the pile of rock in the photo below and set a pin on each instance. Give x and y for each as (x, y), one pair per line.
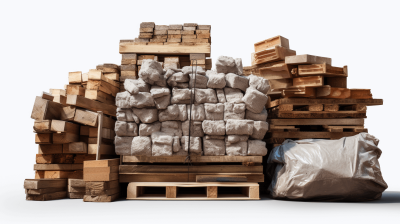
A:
(228, 116)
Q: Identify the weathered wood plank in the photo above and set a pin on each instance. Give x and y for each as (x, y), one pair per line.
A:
(79, 101)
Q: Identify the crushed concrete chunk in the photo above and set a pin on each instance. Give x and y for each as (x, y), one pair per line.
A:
(257, 148)
(239, 127)
(146, 115)
(148, 129)
(141, 146)
(255, 100)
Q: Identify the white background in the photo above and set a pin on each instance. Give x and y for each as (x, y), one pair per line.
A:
(41, 41)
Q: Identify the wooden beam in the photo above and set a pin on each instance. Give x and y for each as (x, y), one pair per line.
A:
(80, 101)
(46, 110)
(58, 166)
(44, 183)
(220, 178)
(196, 159)
(342, 121)
(99, 96)
(86, 117)
(131, 47)
(132, 169)
(64, 127)
(42, 126)
(180, 177)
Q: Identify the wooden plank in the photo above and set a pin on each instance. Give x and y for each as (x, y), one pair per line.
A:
(48, 196)
(106, 133)
(343, 121)
(60, 99)
(75, 90)
(180, 177)
(338, 82)
(170, 191)
(64, 127)
(102, 163)
(104, 149)
(54, 158)
(86, 117)
(95, 74)
(44, 138)
(360, 94)
(337, 93)
(299, 101)
(76, 195)
(75, 77)
(128, 169)
(43, 126)
(57, 174)
(99, 135)
(317, 114)
(47, 96)
(310, 81)
(277, 53)
(44, 183)
(99, 96)
(102, 192)
(293, 92)
(103, 86)
(58, 166)
(307, 59)
(102, 198)
(322, 69)
(195, 159)
(76, 183)
(68, 112)
(102, 185)
(58, 92)
(277, 71)
(46, 110)
(271, 42)
(45, 190)
(83, 102)
(129, 47)
(212, 191)
(63, 138)
(220, 178)
(279, 84)
(305, 135)
(75, 148)
(50, 149)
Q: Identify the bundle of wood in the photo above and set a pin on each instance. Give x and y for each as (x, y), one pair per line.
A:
(45, 189)
(101, 177)
(76, 188)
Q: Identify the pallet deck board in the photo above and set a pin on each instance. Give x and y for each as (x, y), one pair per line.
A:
(341, 121)
(130, 47)
(182, 177)
(308, 101)
(197, 159)
(132, 169)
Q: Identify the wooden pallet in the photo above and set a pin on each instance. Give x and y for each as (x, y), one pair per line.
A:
(193, 191)
(174, 168)
(339, 102)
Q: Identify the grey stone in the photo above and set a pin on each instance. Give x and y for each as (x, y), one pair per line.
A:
(172, 127)
(162, 102)
(122, 100)
(214, 111)
(205, 96)
(180, 96)
(237, 82)
(175, 112)
(162, 144)
(141, 146)
(236, 149)
(239, 127)
(123, 145)
(216, 81)
(157, 91)
(189, 70)
(233, 95)
(213, 147)
(141, 100)
(259, 83)
(196, 131)
(151, 71)
(239, 66)
(201, 81)
(255, 100)
(259, 130)
(130, 86)
(142, 85)
(125, 129)
(212, 72)
(257, 117)
(177, 78)
(236, 138)
(214, 127)
(127, 115)
(176, 145)
(225, 64)
(146, 115)
(256, 148)
(196, 147)
(221, 96)
(182, 85)
(162, 82)
(234, 111)
(198, 113)
(148, 129)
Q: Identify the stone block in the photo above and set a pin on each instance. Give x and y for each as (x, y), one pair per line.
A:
(162, 102)
(175, 112)
(150, 71)
(216, 81)
(161, 144)
(234, 111)
(172, 127)
(213, 147)
(141, 146)
(239, 66)
(130, 86)
(198, 113)
(196, 131)
(157, 91)
(259, 83)
(236, 81)
(141, 100)
(192, 69)
(122, 100)
(196, 147)
(123, 145)
(214, 127)
(257, 117)
(127, 115)
(221, 95)
(201, 81)
(148, 129)
(239, 127)
(214, 111)
(259, 130)
(236, 149)
(142, 85)
(146, 115)
(205, 96)
(256, 148)
(126, 129)
(180, 96)
(225, 64)
(255, 100)
(233, 95)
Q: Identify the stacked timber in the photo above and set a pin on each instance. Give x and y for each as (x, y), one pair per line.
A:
(309, 97)
(45, 189)
(101, 179)
(76, 188)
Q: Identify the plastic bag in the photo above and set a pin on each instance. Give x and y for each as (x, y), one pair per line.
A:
(327, 170)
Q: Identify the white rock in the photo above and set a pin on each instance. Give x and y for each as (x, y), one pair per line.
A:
(233, 95)
(214, 111)
(125, 129)
(172, 127)
(195, 145)
(176, 78)
(236, 149)
(237, 82)
(259, 130)
(234, 111)
(148, 129)
(157, 91)
(122, 100)
(236, 138)
(214, 127)
(150, 71)
(257, 117)
(162, 82)
(255, 100)
(198, 113)
(127, 115)
(142, 85)
(216, 81)
(259, 83)
(196, 131)
(162, 144)
(141, 100)
(162, 102)
(225, 64)
(180, 96)
(141, 146)
(191, 69)
(256, 148)
(239, 66)
(175, 112)
(123, 145)
(205, 96)
(201, 81)
(213, 147)
(221, 96)
(146, 115)
(176, 145)
(130, 86)
(239, 127)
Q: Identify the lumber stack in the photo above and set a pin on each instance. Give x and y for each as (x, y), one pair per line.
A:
(101, 179)
(45, 189)
(308, 96)
(76, 188)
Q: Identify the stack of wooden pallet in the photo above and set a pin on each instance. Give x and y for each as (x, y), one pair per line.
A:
(101, 177)
(45, 189)
(309, 97)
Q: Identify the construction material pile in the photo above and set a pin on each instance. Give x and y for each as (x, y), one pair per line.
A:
(228, 113)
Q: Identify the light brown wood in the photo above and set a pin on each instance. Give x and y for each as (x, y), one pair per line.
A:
(276, 71)
(220, 178)
(343, 121)
(102, 198)
(48, 196)
(99, 134)
(56, 174)
(321, 69)
(102, 185)
(104, 149)
(212, 191)
(310, 81)
(95, 74)
(99, 176)
(75, 77)
(44, 183)
(197, 159)
(86, 117)
(338, 93)
(44, 138)
(103, 86)
(360, 94)
(170, 191)
(75, 90)
(293, 92)
(64, 127)
(299, 101)
(60, 99)
(307, 59)
(46, 110)
(271, 42)
(45, 190)
(272, 54)
(63, 138)
(279, 84)
(50, 149)
(106, 133)
(67, 112)
(76, 183)
(132, 169)
(102, 163)
(42, 126)
(129, 47)
(75, 148)
(58, 92)
(102, 192)
(79, 101)
(114, 76)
